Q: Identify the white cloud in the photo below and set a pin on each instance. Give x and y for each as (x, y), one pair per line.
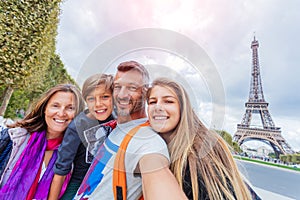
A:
(224, 29)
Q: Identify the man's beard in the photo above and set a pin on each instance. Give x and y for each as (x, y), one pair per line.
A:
(123, 112)
(137, 106)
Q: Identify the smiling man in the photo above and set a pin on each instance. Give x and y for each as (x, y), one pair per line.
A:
(146, 156)
(130, 87)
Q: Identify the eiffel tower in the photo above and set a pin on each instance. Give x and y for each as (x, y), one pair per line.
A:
(269, 133)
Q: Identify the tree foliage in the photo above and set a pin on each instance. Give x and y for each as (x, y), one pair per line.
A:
(28, 30)
(23, 98)
(236, 147)
(55, 73)
(226, 136)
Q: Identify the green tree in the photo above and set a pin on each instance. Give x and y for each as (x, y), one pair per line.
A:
(18, 101)
(236, 147)
(283, 158)
(272, 155)
(296, 158)
(226, 136)
(28, 29)
(56, 74)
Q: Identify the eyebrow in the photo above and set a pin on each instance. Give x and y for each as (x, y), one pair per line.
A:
(129, 84)
(153, 97)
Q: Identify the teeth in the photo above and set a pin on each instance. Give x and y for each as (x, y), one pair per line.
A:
(160, 118)
(123, 103)
(100, 111)
(60, 120)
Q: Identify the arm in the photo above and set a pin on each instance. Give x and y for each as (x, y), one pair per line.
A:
(158, 181)
(56, 186)
(65, 157)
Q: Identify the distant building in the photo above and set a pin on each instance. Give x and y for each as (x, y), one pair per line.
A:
(249, 151)
(263, 151)
(244, 147)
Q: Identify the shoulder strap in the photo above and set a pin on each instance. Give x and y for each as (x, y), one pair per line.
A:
(119, 173)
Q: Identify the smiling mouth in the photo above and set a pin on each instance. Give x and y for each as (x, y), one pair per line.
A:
(100, 111)
(160, 117)
(123, 103)
(60, 120)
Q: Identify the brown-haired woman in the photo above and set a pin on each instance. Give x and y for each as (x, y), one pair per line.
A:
(29, 170)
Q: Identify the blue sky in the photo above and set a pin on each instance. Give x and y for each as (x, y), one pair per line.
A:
(223, 29)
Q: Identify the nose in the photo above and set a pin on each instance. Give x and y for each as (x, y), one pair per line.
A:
(123, 92)
(158, 107)
(98, 101)
(61, 112)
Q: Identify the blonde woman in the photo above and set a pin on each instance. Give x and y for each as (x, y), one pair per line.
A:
(200, 159)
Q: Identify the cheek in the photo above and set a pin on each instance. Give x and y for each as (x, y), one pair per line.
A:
(48, 117)
(49, 112)
(115, 94)
(150, 110)
(90, 105)
(71, 113)
(109, 107)
(177, 119)
(110, 102)
(176, 114)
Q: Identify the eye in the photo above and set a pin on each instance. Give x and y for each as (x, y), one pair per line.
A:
(169, 101)
(90, 99)
(105, 97)
(117, 87)
(55, 105)
(71, 108)
(151, 102)
(132, 88)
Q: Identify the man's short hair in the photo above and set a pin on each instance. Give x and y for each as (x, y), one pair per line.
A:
(133, 65)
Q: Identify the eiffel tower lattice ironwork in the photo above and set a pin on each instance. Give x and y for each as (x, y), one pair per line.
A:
(256, 104)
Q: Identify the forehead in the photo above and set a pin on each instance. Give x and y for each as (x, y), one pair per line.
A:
(162, 91)
(62, 97)
(129, 77)
(100, 89)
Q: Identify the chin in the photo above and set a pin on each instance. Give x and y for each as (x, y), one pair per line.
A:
(158, 128)
(123, 113)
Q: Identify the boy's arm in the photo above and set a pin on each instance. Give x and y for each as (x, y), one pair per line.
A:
(158, 181)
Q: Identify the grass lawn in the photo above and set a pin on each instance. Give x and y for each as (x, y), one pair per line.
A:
(266, 163)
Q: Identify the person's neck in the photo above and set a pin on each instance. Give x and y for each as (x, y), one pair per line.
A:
(51, 135)
(168, 136)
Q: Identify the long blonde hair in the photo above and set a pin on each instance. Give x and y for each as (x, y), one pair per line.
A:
(206, 153)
